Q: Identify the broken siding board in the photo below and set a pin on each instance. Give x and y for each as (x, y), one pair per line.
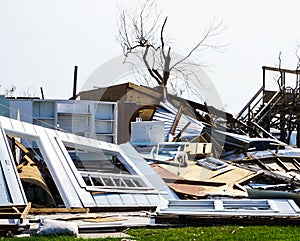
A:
(11, 184)
(161, 113)
(5, 198)
(60, 175)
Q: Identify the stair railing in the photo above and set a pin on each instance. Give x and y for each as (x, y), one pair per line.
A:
(249, 107)
(273, 101)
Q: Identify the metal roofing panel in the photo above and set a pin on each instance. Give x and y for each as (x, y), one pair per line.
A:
(167, 112)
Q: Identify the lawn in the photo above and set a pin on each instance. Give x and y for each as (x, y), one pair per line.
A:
(199, 233)
(219, 233)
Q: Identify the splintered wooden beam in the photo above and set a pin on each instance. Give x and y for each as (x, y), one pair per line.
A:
(25, 212)
(58, 210)
(176, 121)
(28, 156)
(177, 137)
(15, 212)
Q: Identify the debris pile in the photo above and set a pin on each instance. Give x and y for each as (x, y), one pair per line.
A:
(184, 162)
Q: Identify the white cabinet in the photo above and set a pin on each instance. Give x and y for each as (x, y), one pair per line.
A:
(75, 117)
(91, 119)
(106, 122)
(43, 113)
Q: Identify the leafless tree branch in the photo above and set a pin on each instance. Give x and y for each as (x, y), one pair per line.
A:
(211, 32)
(162, 38)
(148, 66)
(138, 33)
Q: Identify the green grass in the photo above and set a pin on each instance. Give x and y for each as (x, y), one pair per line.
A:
(218, 233)
(249, 233)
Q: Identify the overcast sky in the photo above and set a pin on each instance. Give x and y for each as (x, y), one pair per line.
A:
(42, 40)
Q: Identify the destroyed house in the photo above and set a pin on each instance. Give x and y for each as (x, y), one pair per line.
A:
(136, 101)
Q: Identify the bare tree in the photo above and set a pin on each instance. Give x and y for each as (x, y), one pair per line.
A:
(142, 33)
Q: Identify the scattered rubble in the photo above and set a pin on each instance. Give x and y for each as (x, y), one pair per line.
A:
(183, 163)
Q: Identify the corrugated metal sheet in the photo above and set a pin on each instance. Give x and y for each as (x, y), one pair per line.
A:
(166, 112)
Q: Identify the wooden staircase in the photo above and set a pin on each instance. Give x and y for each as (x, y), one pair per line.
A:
(258, 109)
(276, 109)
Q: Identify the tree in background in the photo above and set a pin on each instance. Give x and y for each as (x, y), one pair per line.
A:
(141, 32)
